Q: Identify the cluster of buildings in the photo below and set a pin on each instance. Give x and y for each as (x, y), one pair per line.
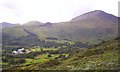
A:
(21, 51)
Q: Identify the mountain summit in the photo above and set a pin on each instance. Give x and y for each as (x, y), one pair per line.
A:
(33, 23)
(95, 15)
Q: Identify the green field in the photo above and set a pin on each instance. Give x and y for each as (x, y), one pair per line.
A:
(39, 49)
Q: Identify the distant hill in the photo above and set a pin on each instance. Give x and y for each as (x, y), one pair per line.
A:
(5, 24)
(90, 27)
(33, 23)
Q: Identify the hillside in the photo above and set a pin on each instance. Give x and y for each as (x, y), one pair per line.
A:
(90, 27)
(97, 14)
(103, 56)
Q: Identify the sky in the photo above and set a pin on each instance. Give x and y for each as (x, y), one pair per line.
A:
(22, 11)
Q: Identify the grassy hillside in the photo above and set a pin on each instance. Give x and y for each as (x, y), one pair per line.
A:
(15, 31)
(90, 27)
(103, 56)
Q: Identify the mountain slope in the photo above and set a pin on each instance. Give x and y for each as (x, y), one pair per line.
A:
(89, 27)
(102, 57)
(96, 14)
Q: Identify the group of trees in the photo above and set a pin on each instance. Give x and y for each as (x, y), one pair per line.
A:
(11, 60)
(16, 61)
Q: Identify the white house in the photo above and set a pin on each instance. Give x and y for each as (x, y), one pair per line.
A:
(14, 52)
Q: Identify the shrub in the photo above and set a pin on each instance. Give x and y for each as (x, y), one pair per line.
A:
(50, 63)
(49, 55)
(17, 61)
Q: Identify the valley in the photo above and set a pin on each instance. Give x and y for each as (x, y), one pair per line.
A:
(98, 57)
(87, 42)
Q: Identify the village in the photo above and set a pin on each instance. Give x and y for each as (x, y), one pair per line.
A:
(30, 50)
(26, 50)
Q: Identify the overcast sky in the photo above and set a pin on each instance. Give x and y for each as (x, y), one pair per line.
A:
(22, 11)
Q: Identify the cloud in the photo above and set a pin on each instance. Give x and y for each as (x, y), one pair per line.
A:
(9, 5)
(22, 11)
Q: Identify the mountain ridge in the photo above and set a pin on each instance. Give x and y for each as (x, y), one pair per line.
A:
(87, 29)
(6, 24)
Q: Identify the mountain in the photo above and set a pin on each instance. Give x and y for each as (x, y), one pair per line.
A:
(90, 27)
(97, 14)
(5, 24)
(33, 23)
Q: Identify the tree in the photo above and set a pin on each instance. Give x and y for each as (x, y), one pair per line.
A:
(49, 55)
